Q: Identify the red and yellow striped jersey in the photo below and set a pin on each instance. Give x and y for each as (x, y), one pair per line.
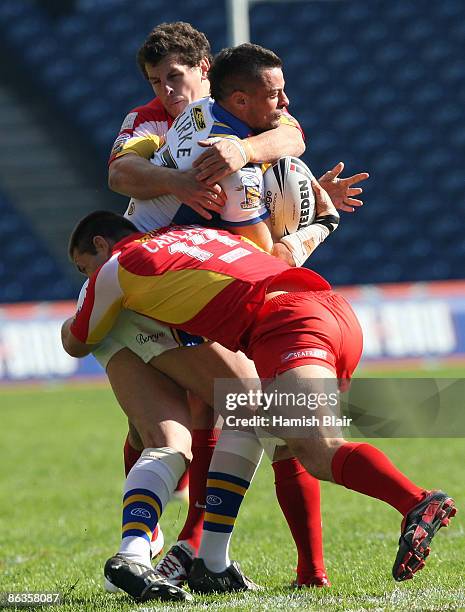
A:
(204, 281)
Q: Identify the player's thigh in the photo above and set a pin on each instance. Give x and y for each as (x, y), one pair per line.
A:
(155, 404)
(196, 368)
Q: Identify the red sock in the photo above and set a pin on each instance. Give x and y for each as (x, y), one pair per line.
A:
(364, 468)
(298, 494)
(203, 445)
(131, 455)
(183, 482)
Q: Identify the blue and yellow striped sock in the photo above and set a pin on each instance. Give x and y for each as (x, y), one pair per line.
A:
(149, 487)
(224, 496)
(232, 468)
(141, 512)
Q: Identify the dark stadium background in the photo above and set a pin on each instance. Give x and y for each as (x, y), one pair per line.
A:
(378, 84)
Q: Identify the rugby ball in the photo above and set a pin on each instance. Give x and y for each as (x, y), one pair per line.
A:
(289, 196)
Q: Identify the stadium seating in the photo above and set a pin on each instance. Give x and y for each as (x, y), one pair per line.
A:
(27, 269)
(376, 84)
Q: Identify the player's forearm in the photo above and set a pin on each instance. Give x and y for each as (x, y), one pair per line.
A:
(269, 146)
(72, 345)
(258, 233)
(136, 177)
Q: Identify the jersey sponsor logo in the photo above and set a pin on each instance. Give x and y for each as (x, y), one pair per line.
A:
(317, 353)
(128, 123)
(198, 118)
(143, 339)
(119, 143)
(141, 512)
(252, 198)
(214, 500)
(184, 128)
(252, 191)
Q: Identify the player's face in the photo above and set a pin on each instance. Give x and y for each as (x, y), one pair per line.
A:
(177, 85)
(267, 101)
(87, 263)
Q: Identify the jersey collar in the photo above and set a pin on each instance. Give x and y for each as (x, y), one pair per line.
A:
(119, 245)
(241, 128)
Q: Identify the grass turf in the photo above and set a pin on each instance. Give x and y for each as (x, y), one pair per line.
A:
(60, 488)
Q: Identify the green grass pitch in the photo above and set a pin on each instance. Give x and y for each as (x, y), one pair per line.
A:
(60, 489)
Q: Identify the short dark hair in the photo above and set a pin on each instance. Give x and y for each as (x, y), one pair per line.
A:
(178, 38)
(99, 223)
(238, 68)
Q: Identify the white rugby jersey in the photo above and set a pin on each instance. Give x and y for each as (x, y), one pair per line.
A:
(244, 189)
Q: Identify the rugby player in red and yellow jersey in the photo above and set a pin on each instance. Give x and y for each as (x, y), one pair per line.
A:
(300, 334)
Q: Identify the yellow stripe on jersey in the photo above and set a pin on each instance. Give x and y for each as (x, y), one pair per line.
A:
(220, 124)
(175, 296)
(217, 135)
(104, 323)
(143, 498)
(227, 486)
(210, 517)
(143, 146)
(140, 526)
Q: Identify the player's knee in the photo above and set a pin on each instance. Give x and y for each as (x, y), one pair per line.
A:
(158, 438)
(316, 454)
(167, 460)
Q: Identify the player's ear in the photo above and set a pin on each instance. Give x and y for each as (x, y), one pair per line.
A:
(239, 99)
(101, 244)
(204, 68)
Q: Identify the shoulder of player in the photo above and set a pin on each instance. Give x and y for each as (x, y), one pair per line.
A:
(196, 113)
(153, 114)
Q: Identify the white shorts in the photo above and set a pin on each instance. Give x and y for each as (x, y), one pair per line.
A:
(143, 336)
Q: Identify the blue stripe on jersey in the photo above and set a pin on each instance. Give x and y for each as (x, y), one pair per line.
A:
(222, 130)
(186, 216)
(248, 222)
(239, 127)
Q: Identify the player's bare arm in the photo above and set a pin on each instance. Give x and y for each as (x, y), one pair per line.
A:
(136, 177)
(71, 344)
(224, 157)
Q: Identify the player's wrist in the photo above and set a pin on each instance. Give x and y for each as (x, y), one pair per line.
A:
(249, 150)
(329, 221)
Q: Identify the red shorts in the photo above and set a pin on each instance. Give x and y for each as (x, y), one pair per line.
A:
(302, 328)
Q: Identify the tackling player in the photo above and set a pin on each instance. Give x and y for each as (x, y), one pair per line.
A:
(299, 333)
